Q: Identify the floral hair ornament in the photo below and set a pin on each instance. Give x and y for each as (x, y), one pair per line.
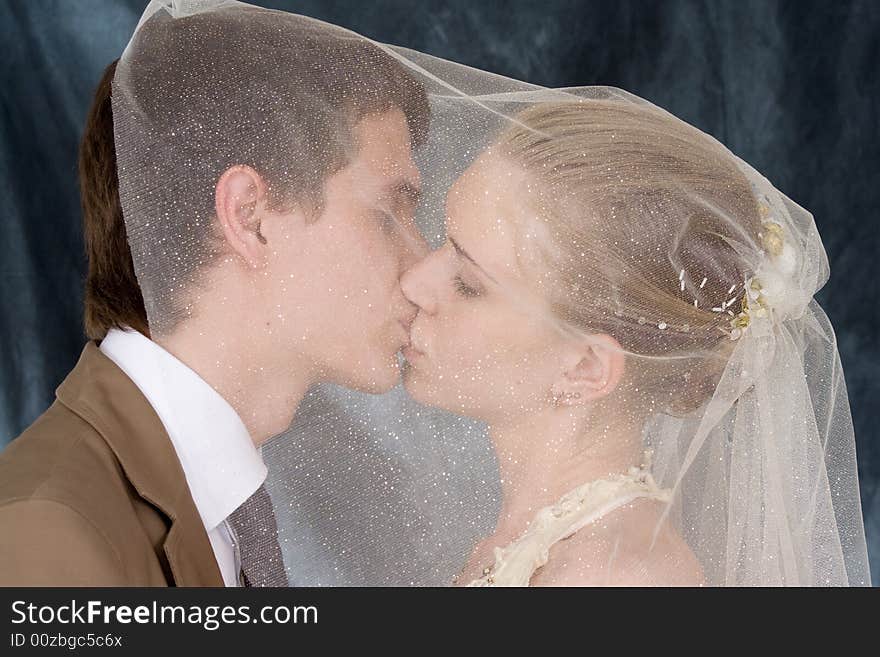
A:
(765, 292)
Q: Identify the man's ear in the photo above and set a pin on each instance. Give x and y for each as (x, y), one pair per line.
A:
(592, 369)
(240, 201)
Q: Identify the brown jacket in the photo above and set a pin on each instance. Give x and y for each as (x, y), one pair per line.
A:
(92, 493)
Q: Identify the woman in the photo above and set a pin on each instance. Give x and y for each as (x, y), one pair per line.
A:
(616, 286)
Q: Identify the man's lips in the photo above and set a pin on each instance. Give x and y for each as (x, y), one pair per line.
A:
(411, 353)
(405, 327)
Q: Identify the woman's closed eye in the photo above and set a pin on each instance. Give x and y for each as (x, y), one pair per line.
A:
(466, 290)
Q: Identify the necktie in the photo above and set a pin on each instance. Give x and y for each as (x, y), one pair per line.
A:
(257, 536)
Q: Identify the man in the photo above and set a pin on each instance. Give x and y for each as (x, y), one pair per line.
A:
(268, 191)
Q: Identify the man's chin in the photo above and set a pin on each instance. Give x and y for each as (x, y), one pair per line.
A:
(381, 379)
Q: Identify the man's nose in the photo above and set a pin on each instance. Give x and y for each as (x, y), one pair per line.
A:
(417, 285)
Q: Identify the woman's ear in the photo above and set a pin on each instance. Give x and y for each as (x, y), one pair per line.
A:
(240, 201)
(593, 367)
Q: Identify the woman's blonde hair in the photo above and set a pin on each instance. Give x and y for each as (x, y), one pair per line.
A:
(642, 213)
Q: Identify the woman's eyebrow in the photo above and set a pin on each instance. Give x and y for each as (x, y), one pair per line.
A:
(465, 254)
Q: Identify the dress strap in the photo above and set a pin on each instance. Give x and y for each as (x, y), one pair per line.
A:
(515, 564)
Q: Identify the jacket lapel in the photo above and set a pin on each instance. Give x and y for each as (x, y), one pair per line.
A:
(102, 395)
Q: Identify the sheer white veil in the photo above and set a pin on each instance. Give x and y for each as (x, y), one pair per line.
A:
(749, 424)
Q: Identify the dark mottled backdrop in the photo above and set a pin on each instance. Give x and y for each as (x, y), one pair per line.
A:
(791, 87)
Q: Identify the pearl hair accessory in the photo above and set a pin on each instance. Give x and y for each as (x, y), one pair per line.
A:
(763, 291)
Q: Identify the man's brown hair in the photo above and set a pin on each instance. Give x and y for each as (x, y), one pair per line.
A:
(307, 85)
(112, 295)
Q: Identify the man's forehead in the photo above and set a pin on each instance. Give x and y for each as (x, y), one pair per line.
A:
(384, 148)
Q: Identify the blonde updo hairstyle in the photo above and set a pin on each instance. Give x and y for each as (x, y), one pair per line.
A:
(626, 197)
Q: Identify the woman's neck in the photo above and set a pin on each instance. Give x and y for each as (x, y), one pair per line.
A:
(545, 455)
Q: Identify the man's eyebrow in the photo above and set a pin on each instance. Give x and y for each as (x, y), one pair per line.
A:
(464, 253)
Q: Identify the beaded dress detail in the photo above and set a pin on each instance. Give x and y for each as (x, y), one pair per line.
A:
(517, 562)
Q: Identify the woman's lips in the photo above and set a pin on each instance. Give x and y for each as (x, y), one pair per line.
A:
(413, 351)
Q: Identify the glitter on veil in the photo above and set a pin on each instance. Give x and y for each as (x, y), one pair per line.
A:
(587, 221)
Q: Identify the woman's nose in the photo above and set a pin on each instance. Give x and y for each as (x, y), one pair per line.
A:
(418, 284)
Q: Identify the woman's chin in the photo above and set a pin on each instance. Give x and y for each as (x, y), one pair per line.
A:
(412, 382)
(422, 387)
(428, 392)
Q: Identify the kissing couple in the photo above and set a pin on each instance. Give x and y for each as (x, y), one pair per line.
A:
(625, 307)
